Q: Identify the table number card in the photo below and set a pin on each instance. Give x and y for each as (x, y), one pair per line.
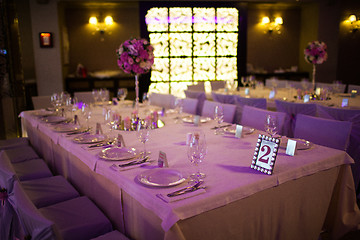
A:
(265, 154)
(291, 147)
(345, 102)
(162, 160)
(98, 129)
(196, 120)
(306, 98)
(272, 94)
(238, 131)
(120, 141)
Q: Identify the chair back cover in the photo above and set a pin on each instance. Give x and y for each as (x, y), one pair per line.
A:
(21, 153)
(229, 110)
(200, 96)
(162, 100)
(200, 86)
(189, 105)
(333, 87)
(215, 85)
(223, 98)
(353, 149)
(354, 87)
(253, 102)
(85, 97)
(32, 222)
(292, 109)
(41, 102)
(325, 132)
(255, 117)
(13, 143)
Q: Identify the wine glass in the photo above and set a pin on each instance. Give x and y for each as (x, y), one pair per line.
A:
(103, 95)
(145, 99)
(86, 112)
(196, 153)
(271, 124)
(122, 93)
(142, 133)
(179, 105)
(96, 95)
(219, 118)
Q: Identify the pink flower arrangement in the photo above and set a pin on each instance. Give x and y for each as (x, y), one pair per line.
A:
(315, 52)
(135, 56)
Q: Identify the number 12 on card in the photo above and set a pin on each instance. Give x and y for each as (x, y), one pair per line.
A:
(265, 154)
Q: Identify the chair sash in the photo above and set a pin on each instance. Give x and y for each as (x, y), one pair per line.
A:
(253, 102)
(292, 109)
(223, 98)
(200, 96)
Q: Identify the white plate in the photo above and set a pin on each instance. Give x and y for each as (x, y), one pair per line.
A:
(89, 138)
(117, 154)
(232, 130)
(43, 113)
(190, 119)
(301, 144)
(53, 119)
(67, 128)
(161, 177)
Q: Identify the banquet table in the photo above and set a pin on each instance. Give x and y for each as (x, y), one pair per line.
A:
(288, 94)
(307, 193)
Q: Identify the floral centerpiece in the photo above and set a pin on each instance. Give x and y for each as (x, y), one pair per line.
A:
(315, 53)
(135, 56)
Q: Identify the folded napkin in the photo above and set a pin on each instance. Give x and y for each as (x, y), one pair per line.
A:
(167, 199)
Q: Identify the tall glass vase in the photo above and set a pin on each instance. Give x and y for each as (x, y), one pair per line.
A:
(313, 77)
(137, 92)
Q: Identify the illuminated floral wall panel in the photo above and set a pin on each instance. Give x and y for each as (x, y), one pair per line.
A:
(192, 44)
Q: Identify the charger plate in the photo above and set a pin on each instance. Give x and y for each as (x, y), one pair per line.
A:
(161, 177)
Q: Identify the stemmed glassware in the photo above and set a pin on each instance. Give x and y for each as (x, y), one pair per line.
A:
(86, 112)
(196, 152)
(96, 95)
(179, 104)
(145, 99)
(122, 93)
(219, 118)
(142, 133)
(104, 95)
(271, 124)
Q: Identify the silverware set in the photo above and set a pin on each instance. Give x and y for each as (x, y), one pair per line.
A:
(189, 189)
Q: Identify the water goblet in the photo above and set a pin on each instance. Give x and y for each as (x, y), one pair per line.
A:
(196, 153)
(142, 133)
(179, 105)
(86, 112)
(219, 118)
(271, 124)
(96, 95)
(122, 93)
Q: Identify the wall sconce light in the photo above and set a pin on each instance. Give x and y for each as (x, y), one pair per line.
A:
(272, 26)
(101, 26)
(354, 23)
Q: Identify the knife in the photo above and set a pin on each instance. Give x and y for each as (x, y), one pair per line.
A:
(186, 190)
(228, 125)
(135, 162)
(78, 132)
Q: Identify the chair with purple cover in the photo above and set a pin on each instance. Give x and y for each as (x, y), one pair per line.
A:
(200, 96)
(255, 117)
(13, 143)
(200, 86)
(292, 109)
(353, 149)
(77, 218)
(42, 191)
(223, 98)
(215, 85)
(353, 87)
(229, 110)
(325, 132)
(162, 100)
(189, 105)
(114, 235)
(243, 101)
